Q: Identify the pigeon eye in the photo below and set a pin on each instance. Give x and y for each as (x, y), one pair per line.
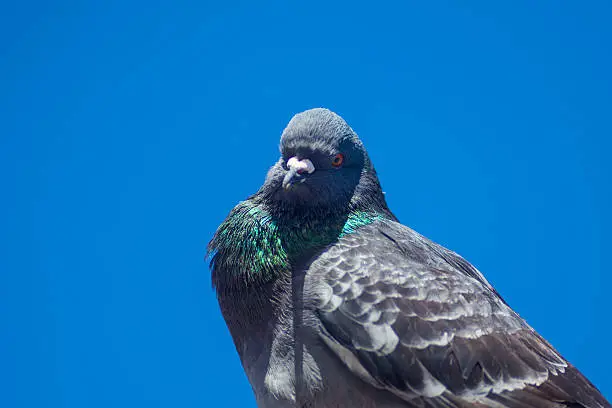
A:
(338, 160)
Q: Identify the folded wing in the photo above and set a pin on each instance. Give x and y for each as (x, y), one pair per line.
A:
(409, 316)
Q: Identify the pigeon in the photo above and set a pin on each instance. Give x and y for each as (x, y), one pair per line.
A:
(331, 302)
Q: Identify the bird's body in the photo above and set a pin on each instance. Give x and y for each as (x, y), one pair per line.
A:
(331, 302)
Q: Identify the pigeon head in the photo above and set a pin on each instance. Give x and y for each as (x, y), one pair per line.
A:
(323, 164)
(322, 187)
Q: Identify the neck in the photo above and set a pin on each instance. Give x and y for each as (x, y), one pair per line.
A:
(259, 242)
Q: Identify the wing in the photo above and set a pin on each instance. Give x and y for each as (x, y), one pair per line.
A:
(409, 316)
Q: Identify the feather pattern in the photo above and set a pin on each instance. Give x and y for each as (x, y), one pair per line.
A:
(409, 316)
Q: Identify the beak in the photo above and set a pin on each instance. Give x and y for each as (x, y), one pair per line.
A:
(298, 169)
(292, 177)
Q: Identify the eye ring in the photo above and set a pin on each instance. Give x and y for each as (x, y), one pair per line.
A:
(338, 160)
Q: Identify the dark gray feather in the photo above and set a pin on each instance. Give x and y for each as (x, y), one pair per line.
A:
(423, 322)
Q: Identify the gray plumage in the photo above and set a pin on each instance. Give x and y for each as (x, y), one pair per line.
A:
(331, 302)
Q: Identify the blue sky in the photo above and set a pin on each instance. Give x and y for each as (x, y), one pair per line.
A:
(129, 129)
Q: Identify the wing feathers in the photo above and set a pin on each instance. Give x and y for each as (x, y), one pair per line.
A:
(409, 316)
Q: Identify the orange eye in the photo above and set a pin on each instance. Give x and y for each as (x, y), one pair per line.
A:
(338, 160)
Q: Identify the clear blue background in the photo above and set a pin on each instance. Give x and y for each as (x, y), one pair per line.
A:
(129, 129)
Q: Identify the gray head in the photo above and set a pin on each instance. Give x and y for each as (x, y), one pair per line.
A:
(323, 165)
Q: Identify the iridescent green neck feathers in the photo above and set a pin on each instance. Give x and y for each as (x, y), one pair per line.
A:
(251, 247)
